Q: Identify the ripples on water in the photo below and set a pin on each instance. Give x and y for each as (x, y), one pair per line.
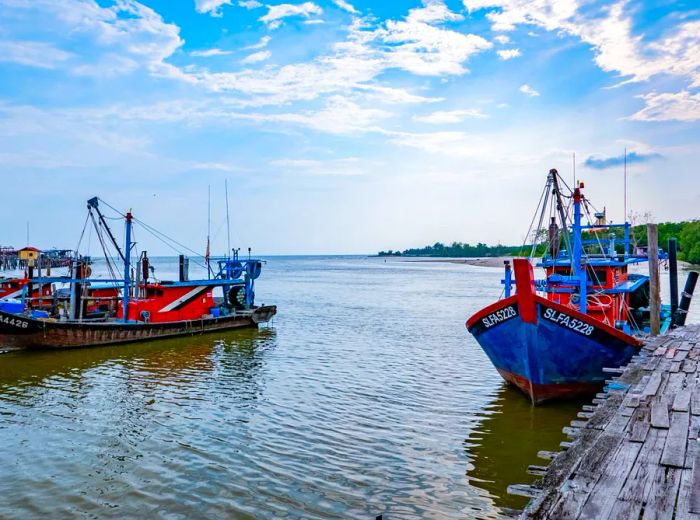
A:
(365, 396)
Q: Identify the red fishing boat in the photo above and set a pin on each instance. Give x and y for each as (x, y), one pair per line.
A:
(99, 311)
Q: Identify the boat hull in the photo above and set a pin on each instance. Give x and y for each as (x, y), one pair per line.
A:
(551, 352)
(23, 332)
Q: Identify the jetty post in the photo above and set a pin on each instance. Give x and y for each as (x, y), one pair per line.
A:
(654, 282)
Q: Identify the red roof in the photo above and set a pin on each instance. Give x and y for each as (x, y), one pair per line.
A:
(29, 248)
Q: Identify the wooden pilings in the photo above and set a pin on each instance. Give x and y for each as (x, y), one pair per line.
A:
(654, 282)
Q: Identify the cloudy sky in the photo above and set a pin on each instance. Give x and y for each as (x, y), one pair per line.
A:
(342, 126)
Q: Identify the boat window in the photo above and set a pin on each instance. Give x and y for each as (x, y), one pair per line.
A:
(598, 276)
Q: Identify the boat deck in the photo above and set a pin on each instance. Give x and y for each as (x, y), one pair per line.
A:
(635, 452)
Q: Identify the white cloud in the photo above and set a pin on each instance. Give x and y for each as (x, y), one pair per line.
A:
(431, 12)
(260, 45)
(347, 166)
(345, 6)
(256, 57)
(418, 46)
(104, 40)
(213, 7)
(340, 116)
(394, 95)
(455, 144)
(680, 106)
(33, 54)
(215, 166)
(508, 54)
(527, 89)
(550, 14)
(450, 116)
(210, 52)
(609, 30)
(276, 13)
(249, 4)
(502, 39)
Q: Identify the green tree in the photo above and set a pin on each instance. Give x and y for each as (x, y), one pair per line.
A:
(690, 242)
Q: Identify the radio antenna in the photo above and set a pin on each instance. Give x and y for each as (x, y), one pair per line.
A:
(228, 222)
(625, 188)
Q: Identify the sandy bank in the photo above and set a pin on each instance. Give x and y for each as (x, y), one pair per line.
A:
(491, 261)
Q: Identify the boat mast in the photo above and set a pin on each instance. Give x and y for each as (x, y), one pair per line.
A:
(554, 179)
(228, 223)
(579, 270)
(127, 268)
(208, 232)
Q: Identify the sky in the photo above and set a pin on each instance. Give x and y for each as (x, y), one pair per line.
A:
(341, 126)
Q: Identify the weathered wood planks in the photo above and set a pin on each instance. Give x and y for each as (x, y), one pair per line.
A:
(638, 453)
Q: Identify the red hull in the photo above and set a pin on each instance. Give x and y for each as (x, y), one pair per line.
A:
(546, 392)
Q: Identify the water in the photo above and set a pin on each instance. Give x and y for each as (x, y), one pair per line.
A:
(365, 396)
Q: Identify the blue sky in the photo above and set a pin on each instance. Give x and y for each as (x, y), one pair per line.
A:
(342, 126)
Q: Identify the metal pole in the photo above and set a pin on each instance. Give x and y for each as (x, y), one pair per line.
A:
(228, 223)
(654, 283)
(673, 276)
(127, 268)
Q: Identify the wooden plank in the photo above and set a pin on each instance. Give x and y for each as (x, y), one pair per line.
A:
(639, 424)
(601, 419)
(602, 497)
(662, 495)
(689, 366)
(685, 492)
(571, 432)
(694, 501)
(523, 490)
(694, 431)
(585, 477)
(547, 455)
(652, 363)
(659, 414)
(670, 353)
(533, 469)
(680, 355)
(613, 370)
(685, 345)
(682, 401)
(617, 425)
(677, 440)
(674, 385)
(660, 351)
(695, 400)
(653, 384)
(630, 500)
(632, 400)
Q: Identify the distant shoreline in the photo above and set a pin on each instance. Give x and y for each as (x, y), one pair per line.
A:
(487, 261)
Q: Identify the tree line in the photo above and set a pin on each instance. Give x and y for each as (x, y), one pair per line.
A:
(687, 233)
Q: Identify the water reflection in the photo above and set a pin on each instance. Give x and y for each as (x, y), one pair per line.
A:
(507, 440)
(162, 359)
(117, 422)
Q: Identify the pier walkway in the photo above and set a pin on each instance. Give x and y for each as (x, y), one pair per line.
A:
(635, 452)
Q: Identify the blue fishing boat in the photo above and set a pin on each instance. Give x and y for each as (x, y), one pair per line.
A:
(553, 337)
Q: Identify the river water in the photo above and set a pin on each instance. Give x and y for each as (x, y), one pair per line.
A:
(365, 396)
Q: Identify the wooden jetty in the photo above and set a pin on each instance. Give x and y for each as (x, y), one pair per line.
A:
(635, 452)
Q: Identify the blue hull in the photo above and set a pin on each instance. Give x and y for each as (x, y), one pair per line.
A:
(561, 355)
